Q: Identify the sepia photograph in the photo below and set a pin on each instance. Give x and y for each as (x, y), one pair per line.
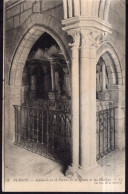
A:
(64, 96)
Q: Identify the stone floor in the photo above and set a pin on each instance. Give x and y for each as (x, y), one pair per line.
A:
(21, 164)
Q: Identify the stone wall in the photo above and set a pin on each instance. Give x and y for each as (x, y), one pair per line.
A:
(117, 19)
(18, 17)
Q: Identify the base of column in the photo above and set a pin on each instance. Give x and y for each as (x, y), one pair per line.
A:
(90, 171)
(72, 172)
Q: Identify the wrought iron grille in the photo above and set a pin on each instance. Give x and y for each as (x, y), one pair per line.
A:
(44, 131)
(105, 132)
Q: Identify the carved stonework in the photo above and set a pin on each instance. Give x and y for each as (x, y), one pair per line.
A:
(76, 37)
(87, 37)
(90, 37)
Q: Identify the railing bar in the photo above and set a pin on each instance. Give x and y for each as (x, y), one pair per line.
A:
(25, 133)
(110, 132)
(99, 135)
(107, 128)
(15, 109)
(20, 123)
(53, 136)
(34, 108)
(114, 127)
(42, 127)
(47, 130)
(33, 126)
(103, 131)
(37, 126)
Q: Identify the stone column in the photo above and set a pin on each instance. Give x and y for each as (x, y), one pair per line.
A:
(103, 77)
(65, 9)
(83, 8)
(52, 75)
(70, 8)
(87, 100)
(15, 99)
(120, 118)
(75, 103)
(76, 8)
(84, 103)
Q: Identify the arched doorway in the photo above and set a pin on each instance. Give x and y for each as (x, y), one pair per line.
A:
(106, 76)
(43, 117)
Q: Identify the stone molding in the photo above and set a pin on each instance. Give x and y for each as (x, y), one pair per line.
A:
(87, 22)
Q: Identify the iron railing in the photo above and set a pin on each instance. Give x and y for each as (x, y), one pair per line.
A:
(45, 132)
(105, 132)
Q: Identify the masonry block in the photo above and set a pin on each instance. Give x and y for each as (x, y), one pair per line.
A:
(39, 17)
(118, 69)
(28, 22)
(9, 24)
(49, 4)
(119, 75)
(120, 81)
(33, 18)
(53, 23)
(13, 11)
(36, 7)
(16, 21)
(38, 32)
(24, 16)
(22, 7)
(30, 43)
(58, 13)
(46, 19)
(28, 4)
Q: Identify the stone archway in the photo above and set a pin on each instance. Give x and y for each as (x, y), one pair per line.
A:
(115, 87)
(18, 62)
(23, 50)
(114, 69)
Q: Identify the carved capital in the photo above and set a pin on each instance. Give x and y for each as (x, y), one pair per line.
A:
(91, 37)
(76, 37)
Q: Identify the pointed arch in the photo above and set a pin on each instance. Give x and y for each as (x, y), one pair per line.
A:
(108, 50)
(35, 28)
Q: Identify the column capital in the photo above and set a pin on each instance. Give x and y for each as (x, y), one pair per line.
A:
(75, 33)
(52, 61)
(91, 37)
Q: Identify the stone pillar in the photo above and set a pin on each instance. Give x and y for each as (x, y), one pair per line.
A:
(52, 75)
(65, 9)
(103, 77)
(83, 7)
(84, 104)
(120, 118)
(75, 103)
(70, 8)
(15, 99)
(91, 36)
(87, 101)
(92, 108)
(76, 8)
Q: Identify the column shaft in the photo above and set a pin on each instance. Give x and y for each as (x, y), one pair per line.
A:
(53, 77)
(84, 106)
(92, 108)
(75, 107)
(65, 9)
(103, 78)
(76, 7)
(83, 7)
(87, 107)
(70, 8)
